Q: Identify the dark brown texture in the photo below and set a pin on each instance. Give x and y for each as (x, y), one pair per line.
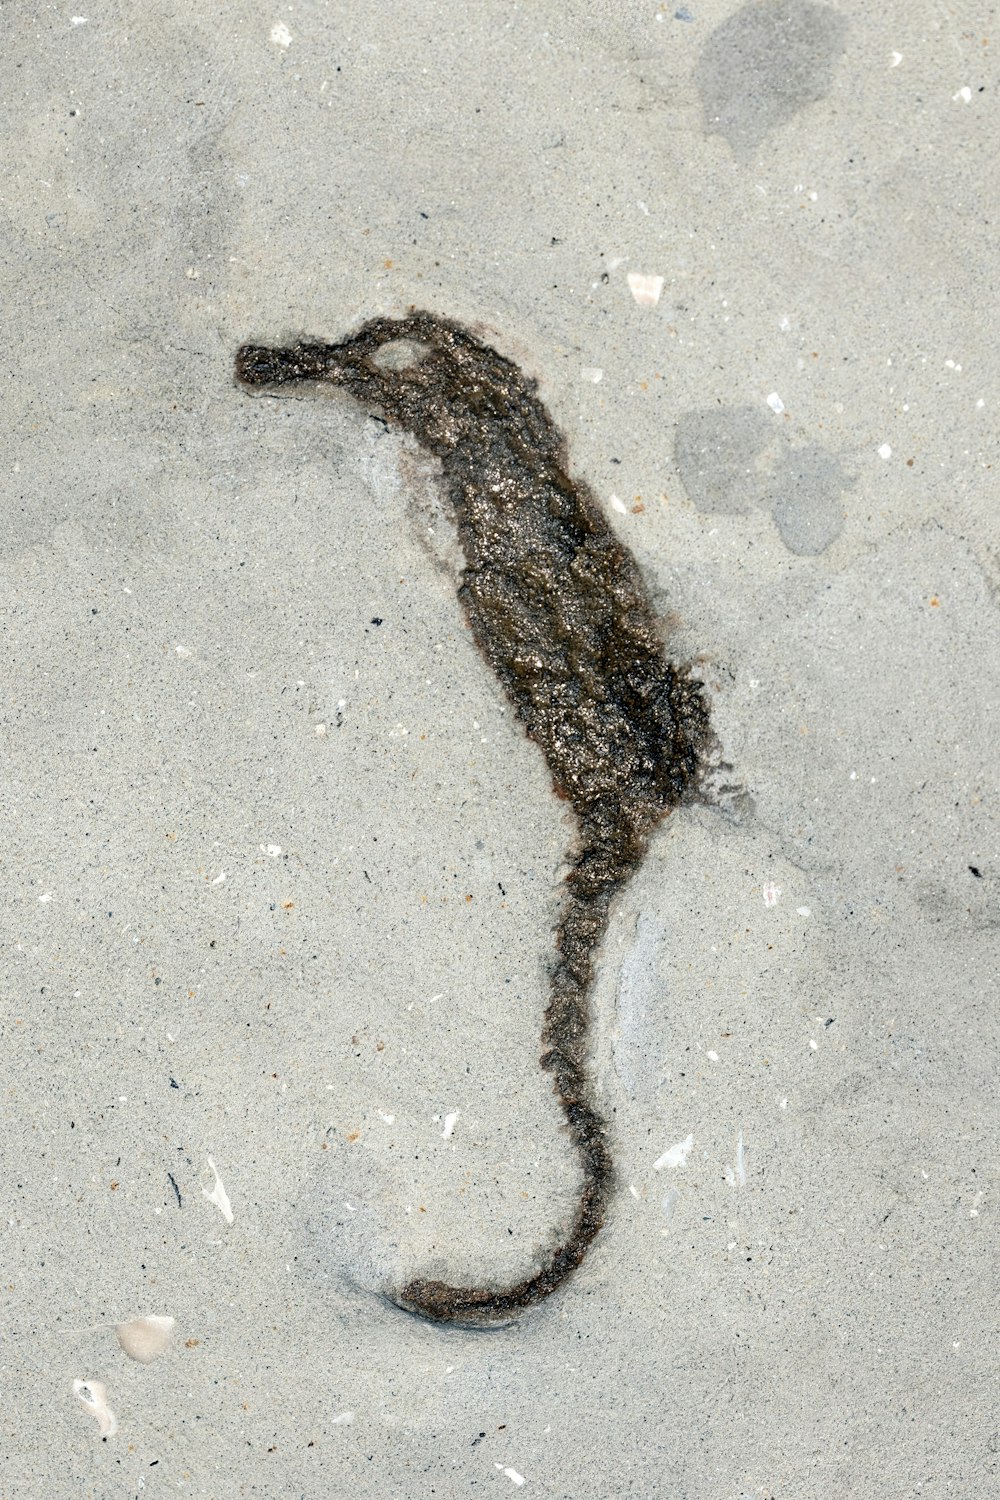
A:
(557, 607)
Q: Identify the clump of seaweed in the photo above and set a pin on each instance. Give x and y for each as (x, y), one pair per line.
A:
(557, 607)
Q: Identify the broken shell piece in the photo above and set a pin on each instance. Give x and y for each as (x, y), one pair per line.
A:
(645, 289)
(93, 1396)
(145, 1338)
(217, 1193)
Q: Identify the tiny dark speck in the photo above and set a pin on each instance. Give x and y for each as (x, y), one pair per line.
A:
(174, 1084)
(829, 1021)
(93, 611)
(975, 870)
(376, 619)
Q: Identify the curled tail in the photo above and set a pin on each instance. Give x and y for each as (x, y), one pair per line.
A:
(564, 1037)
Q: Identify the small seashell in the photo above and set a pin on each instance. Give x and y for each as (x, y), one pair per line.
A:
(145, 1339)
(645, 289)
(93, 1396)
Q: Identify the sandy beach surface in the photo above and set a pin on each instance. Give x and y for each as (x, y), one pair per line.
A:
(281, 870)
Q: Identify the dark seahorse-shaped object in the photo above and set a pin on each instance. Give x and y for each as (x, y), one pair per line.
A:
(557, 607)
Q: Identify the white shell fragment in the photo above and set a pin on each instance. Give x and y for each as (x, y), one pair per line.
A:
(675, 1156)
(145, 1339)
(93, 1397)
(217, 1194)
(645, 289)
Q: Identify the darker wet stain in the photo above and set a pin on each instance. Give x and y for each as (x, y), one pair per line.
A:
(716, 451)
(807, 499)
(558, 609)
(765, 64)
(731, 462)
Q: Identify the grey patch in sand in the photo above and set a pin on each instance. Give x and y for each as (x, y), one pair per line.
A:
(640, 994)
(765, 64)
(807, 490)
(349, 1228)
(716, 450)
(728, 460)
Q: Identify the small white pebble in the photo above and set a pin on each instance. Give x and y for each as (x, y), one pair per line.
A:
(184, 651)
(965, 94)
(619, 505)
(280, 35)
(895, 59)
(511, 1474)
(712, 1056)
(771, 893)
(813, 1046)
(776, 404)
(450, 1122)
(592, 373)
(803, 911)
(220, 878)
(885, 451)
(320, 730)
